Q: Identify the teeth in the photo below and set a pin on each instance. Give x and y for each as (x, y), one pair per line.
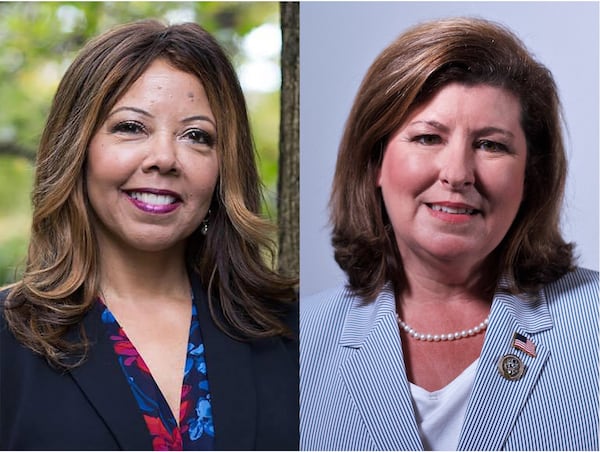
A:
(452, 210)
(151, 198)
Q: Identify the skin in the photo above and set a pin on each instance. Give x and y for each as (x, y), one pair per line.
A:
(159, 136)
(151, 172)
(464, 149)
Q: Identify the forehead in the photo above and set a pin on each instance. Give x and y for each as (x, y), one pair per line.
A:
(165, 91)
(161, 75)
(477, 103)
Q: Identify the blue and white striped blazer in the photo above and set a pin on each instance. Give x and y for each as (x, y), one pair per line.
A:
(354, 394)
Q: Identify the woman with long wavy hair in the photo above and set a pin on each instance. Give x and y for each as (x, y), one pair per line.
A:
(147, 316)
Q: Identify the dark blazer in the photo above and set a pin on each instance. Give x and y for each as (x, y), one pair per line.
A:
(254, 393)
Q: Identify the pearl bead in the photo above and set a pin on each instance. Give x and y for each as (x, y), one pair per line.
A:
(442, 337)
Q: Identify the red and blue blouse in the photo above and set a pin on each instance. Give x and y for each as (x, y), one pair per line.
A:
(195, 430)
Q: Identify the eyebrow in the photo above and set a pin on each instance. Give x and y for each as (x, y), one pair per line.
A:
(478, 132)
(491, 129)
(200, 118)
(149, 115)
(435, 124)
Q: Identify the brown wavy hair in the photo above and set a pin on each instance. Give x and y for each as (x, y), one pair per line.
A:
(406, 75)
(61, 281)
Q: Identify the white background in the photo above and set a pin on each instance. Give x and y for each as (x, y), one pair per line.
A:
(339, 41)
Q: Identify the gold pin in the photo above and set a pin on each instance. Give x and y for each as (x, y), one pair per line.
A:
(511, 367)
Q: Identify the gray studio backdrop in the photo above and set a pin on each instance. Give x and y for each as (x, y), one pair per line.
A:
(338, 42)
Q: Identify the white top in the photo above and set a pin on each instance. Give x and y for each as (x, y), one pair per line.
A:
(440, 414)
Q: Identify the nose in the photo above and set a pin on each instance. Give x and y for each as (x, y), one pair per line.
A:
(161, 155)
(457, 166)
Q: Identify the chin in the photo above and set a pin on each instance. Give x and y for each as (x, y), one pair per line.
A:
(454, 249)
(154, 244)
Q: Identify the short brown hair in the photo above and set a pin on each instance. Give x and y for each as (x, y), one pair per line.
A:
(61, 281)
(407, 74)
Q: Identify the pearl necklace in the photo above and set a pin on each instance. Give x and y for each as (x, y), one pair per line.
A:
(442, 337)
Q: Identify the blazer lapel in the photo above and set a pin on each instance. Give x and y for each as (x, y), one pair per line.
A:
(375, 374)
(104, 385)
(230, 379)
(496, 401)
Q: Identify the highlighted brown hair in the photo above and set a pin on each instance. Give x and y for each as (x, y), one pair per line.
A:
(60, 282)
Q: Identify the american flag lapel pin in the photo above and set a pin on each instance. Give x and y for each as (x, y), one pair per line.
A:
(524, 344)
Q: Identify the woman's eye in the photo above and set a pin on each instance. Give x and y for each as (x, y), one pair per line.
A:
(199, 136)
(427, 140)
(491, 146)
(128, 127)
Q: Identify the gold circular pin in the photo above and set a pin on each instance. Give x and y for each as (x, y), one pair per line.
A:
(511, 367)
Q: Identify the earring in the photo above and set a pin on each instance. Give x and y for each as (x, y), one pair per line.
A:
(204, 224)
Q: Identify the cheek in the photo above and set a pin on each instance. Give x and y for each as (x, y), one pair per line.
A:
(506, 185)
(405, 173)
(205, 174)
(507, 175)
(102, 163)
(102, 172)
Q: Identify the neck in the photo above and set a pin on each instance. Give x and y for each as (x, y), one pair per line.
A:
(136, 275)
(434, 281)
(445, 297)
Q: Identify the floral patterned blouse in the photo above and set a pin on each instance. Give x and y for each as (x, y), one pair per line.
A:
(195, 430)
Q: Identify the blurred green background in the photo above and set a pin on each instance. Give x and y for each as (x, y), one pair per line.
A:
(39, 40)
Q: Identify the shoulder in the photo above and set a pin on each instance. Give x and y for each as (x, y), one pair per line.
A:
(290, 318)
(328, 306)
(580, 279)
(322, 317)
(288, 343)
(3, 297)
(576, 291)
(13, 354)
(4, 291)
(573, 303)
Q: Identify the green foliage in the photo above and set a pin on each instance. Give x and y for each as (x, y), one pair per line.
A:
(38, 40)
(16, 181)
(15, 212)
(11, 259)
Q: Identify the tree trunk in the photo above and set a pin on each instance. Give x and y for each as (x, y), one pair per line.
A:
(289, 143)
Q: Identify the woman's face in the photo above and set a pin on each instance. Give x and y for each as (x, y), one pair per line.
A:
(452, 175)
(152, 165)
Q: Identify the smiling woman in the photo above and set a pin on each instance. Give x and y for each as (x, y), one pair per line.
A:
(462, 294)
(452, 176)
(147, 316)
(152, 166)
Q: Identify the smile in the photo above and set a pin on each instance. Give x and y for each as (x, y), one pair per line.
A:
(155, 201)
(453, 210)
(151, 198)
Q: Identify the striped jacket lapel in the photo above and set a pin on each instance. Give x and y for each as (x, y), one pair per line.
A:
(496, 402)
(375, 375)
